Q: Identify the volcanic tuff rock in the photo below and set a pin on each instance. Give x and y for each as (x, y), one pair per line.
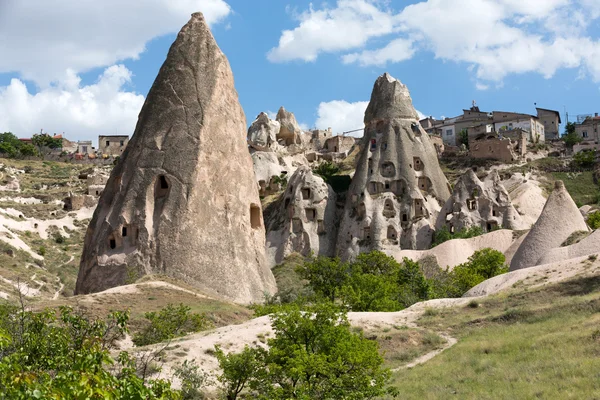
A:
(303, 219)
(262, 134)
(395, 194)
(182, 200)
(480, 203)
(290, 132)
(559, 219)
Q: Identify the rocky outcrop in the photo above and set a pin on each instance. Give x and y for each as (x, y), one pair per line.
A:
(559, 219)
(182, 201)
(480, 203)
(302, 220)
(396, 192)
(262, 134)
(271, 170)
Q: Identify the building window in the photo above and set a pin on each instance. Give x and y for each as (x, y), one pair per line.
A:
(448, 132)
(107, 143)
(584, 134)
(122, 143)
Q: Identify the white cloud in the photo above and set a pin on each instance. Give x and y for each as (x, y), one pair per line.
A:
(396, 51)
(494, 38)
(82, 112)
(342, 116)
(349, 25)
(41, 39)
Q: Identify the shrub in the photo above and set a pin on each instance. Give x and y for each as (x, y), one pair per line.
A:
(314, 355)
(168, 323)
(58, 238)
(326, 170)
(67, 356)
(585, 159)
(326, 275)
(443, 235)
(42, 251)
(192, 380)
(593, 220)
(482, 265)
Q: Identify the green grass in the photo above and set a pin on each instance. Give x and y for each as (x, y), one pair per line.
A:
(542, 343)
(582, 188)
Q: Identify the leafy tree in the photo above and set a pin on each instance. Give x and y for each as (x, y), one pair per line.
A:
(412, 284)
(45, 140)
(463, 138)
(443, 234)
(482, 265)
(593, 220)
(326, 170)
(570, 137)
(28, 150)
(368, 292)
(168, 323)
(314, 355)
(585, 159)
(326, 275)
(67, 356)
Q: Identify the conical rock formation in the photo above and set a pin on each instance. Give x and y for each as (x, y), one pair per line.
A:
(480, 203)
(559, 219)
(262, 134)
(303, 219)
(182, 201)
(396, 192)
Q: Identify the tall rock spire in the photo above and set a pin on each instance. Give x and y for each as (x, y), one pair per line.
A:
(182, 201)
(396, 192)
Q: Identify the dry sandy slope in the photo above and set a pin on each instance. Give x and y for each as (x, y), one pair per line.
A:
(457, 251)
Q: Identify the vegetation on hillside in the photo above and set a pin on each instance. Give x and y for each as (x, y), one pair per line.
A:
(443, 235)
(570, 137)
(314, 355)
(377, 282)
(12, 147)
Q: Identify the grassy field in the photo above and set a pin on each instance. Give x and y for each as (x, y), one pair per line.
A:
(580, 186)
(542, 343)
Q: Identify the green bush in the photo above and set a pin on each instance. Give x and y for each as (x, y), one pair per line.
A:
(482, 265)
(170, 322)
(443, 235)
(326, 170)
(314, 355)
(67, 356)
(193, 380)
(593, 220)
(326, 275)
(585, 159)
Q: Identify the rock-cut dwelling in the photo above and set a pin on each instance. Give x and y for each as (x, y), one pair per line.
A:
(303, 219)
(396, 192)
(183, 200)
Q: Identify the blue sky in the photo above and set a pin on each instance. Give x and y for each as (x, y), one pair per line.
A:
(85, 70)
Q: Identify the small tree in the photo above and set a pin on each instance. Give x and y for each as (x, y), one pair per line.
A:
(463, 138)
(593, 220)
(570, 137)
(326, 275)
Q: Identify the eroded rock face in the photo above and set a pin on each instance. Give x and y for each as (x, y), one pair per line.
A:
(182, 201)
(262, 134)
(396, 192)
(303, 219)
(480, 203)
(559, 219)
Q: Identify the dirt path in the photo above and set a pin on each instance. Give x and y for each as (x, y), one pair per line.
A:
(61, 285)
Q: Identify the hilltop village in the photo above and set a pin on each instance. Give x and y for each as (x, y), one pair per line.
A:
(474, 218)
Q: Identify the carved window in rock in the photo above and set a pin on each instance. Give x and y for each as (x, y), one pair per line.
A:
(296, 225)
(124, 231)
(373, 187)
(320, 227)
(112, 243)
(415, 128)
(388, 169)
(367, 233)
(392, 234)
(494, 212)
(451, 228)
(255, 217)
(388, 209)
(419, 208)
(384, 146)
(362, 210)
(162, 187)
(472, 204)
(418, 164)
(311, 214)
(424, 183)
(387, 186)
(404, 217)
(306, 193)
(491, 226)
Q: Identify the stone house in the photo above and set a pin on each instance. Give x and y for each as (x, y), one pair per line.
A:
(588, 129)
(339, 144)
(551, 121)
(85, 147)
(506, 148)
(507, 121)
(112, 145)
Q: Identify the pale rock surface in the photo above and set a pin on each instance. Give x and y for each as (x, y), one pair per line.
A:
(398, 188)
(303, 219)
(559, 219)
(587, 246)
(12, 184)
(262, 134)
(182, 200)
(527, 196)
(290, 132)
(485, 204)
(457, 251)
